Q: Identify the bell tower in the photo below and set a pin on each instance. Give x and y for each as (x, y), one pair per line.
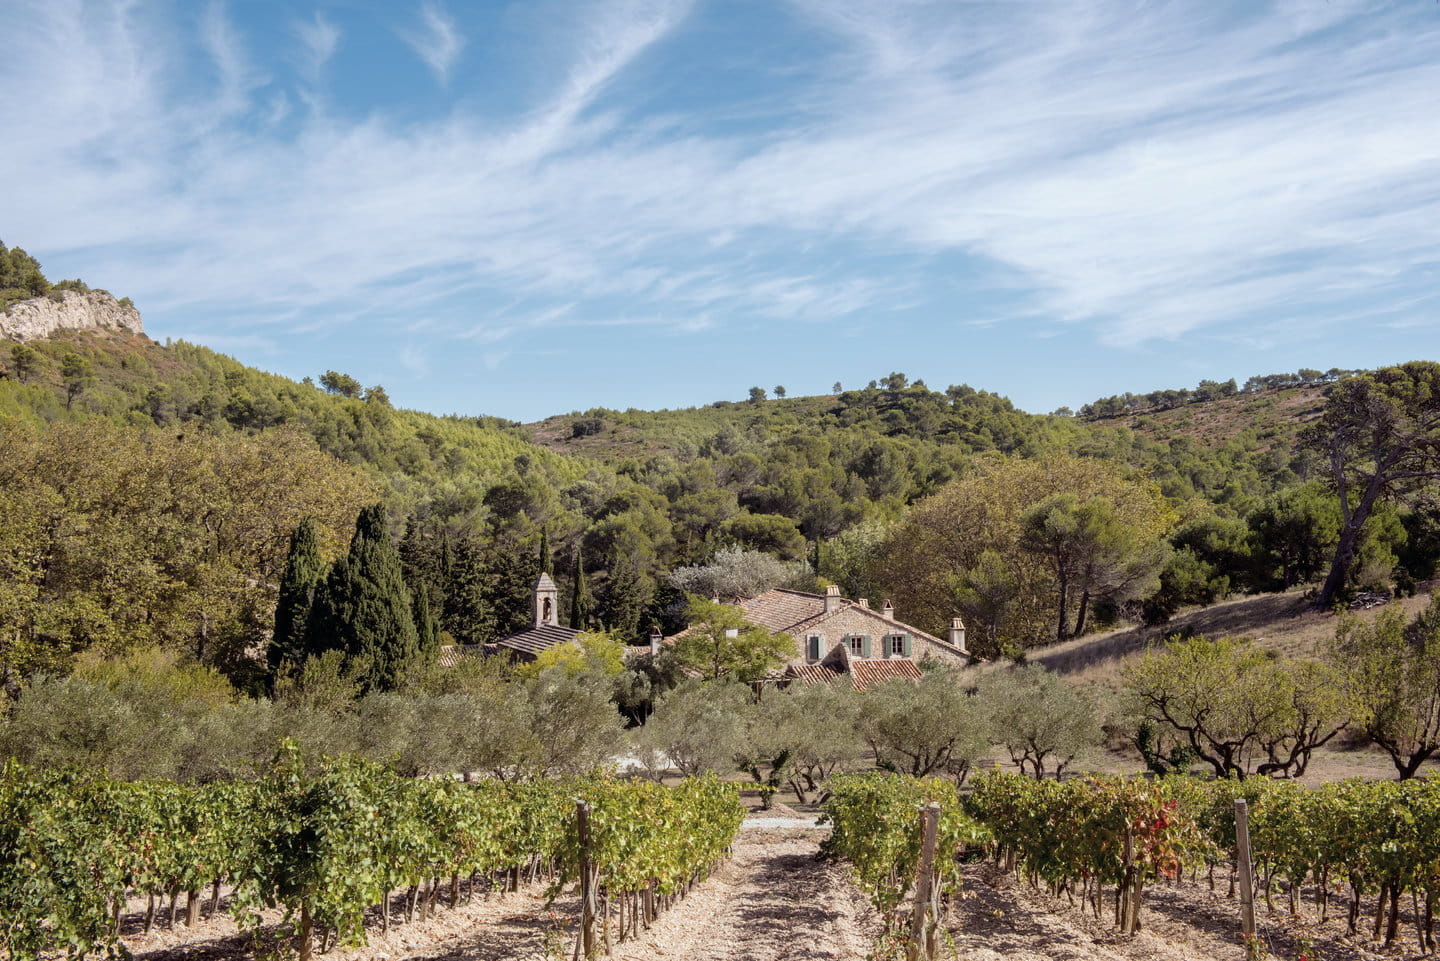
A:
(547, 606)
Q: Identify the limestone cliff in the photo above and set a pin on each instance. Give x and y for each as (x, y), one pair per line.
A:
(43, 316)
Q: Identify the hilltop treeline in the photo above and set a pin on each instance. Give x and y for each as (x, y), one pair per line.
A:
(1121, 405)
(21, 278)
(611, 502)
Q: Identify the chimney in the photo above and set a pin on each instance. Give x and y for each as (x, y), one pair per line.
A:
(957, 634)
(832, 598)
(863, 602)
(655, 638)
(887, 609)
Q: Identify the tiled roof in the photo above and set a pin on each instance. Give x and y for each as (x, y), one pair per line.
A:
(797, 613)
(452, 654)
(780, 610)
(533, 640)
(863, 674)
(866, 674)
(814, 673)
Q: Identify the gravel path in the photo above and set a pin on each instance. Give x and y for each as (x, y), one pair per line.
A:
(772, 902)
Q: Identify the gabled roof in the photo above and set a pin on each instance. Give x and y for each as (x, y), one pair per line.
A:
(533, 640)
(798, 613)
(849, 607)
(545, 583)
(778, 610)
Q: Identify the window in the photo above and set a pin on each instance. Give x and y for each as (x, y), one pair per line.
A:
(813, 646)
(857, 645)
(895, 645)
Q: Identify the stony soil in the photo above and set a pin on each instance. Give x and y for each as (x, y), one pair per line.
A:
(774, 901)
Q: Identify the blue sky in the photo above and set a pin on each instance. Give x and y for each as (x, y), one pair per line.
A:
(529, 208)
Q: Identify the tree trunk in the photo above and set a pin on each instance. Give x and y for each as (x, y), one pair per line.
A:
(1064, 603)
(1080, 613)
(1344, 556)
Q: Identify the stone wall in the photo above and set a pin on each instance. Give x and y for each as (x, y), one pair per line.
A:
(854, 619)
(39, 318)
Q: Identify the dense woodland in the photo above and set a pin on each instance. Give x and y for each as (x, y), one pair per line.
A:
(946, 502)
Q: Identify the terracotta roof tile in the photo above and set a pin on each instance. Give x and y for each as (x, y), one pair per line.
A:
(452, 654)
(533, 640)
(780, 610)
(866, 674)
(809, 674)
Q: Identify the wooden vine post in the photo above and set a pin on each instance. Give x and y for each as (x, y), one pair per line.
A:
(924, 916)
(588, 941)
(1244, 870)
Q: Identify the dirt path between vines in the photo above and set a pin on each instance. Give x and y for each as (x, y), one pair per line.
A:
(772, 902)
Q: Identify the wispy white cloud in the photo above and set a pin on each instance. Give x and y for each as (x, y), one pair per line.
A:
(319, 39)
(1152, 171)
(226, 48)
(437, 40)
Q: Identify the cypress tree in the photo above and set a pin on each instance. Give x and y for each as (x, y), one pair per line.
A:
(364, 608)
(468, 615)
(304, 572)
(579, 595)
(547, 563)
(427, 628)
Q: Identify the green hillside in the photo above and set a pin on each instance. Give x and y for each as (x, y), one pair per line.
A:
(478, 504)
(133, 380)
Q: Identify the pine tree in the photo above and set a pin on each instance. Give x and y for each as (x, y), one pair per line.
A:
(364, 608)
(304, 572)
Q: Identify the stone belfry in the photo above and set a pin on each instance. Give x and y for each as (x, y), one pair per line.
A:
(547, 602)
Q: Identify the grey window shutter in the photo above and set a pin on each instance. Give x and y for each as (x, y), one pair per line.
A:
(814, 642)
(907, 647)
(865, 646)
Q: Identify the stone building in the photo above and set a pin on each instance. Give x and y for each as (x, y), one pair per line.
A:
(835, 636)
(545, 631)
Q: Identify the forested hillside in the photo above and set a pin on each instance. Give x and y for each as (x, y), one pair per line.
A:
(854, 484)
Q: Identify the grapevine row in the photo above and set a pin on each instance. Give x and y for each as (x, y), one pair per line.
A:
(325, 847)
(874, 818)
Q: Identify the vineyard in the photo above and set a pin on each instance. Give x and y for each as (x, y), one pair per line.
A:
(1100, 842)
(344, 848)
(332, 849)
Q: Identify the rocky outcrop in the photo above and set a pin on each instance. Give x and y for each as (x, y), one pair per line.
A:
(43, 316)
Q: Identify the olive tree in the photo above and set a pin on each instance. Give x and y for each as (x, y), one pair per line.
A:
(812, 730)
(926, 726)
(696, 727)
(1393, 671)
(1041, 719)
(1239, 708)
